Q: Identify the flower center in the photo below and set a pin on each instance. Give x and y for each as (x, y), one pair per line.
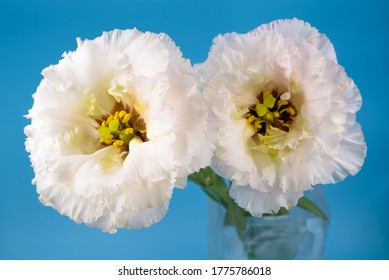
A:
(119, 128)
(273, 110)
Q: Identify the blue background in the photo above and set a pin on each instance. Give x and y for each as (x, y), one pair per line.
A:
(34, 34)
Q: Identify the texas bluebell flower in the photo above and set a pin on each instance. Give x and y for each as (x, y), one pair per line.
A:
(286, 113)
(115, 126)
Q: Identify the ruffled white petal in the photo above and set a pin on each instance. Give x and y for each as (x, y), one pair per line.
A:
(352, 152)
(258, 202)
(147, 52)
(298, 29)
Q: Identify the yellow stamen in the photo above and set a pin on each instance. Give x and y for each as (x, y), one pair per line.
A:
(286, 125)
(266, 93)
(128, 130)
(122, 114)
(126, 118)
(281, 103)
(105, 140)
(269, 117)
(110, 118)
(250, 119)
(291, 111)
(118, 143)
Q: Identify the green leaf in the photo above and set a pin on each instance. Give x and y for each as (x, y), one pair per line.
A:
(260, 109)
(310, 206)
(212, 184)
(269, 101)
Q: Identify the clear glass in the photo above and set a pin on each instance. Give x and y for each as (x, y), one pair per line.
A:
(297, 235)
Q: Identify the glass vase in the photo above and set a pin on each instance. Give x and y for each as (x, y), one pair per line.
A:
(296, 235)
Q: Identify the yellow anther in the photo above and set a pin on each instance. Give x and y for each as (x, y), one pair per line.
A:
(116, 116)
(126, 118)
(257, 124)
(291, 111)
(104, 124)
(105, 140)
(269, 117)
(122, 114)
(128, 130)
(281, 103)
(266, 93)
(110, 118)
(276, 114)
(251, 119)
(118, 143)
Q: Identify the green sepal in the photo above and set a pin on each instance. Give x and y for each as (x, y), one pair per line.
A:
(212, 184)
(283, 211)
(310, 206)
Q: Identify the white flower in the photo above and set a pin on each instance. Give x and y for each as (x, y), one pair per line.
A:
(286, 112)
(114, 126)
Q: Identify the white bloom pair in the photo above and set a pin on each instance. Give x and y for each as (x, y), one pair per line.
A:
(121, 121)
